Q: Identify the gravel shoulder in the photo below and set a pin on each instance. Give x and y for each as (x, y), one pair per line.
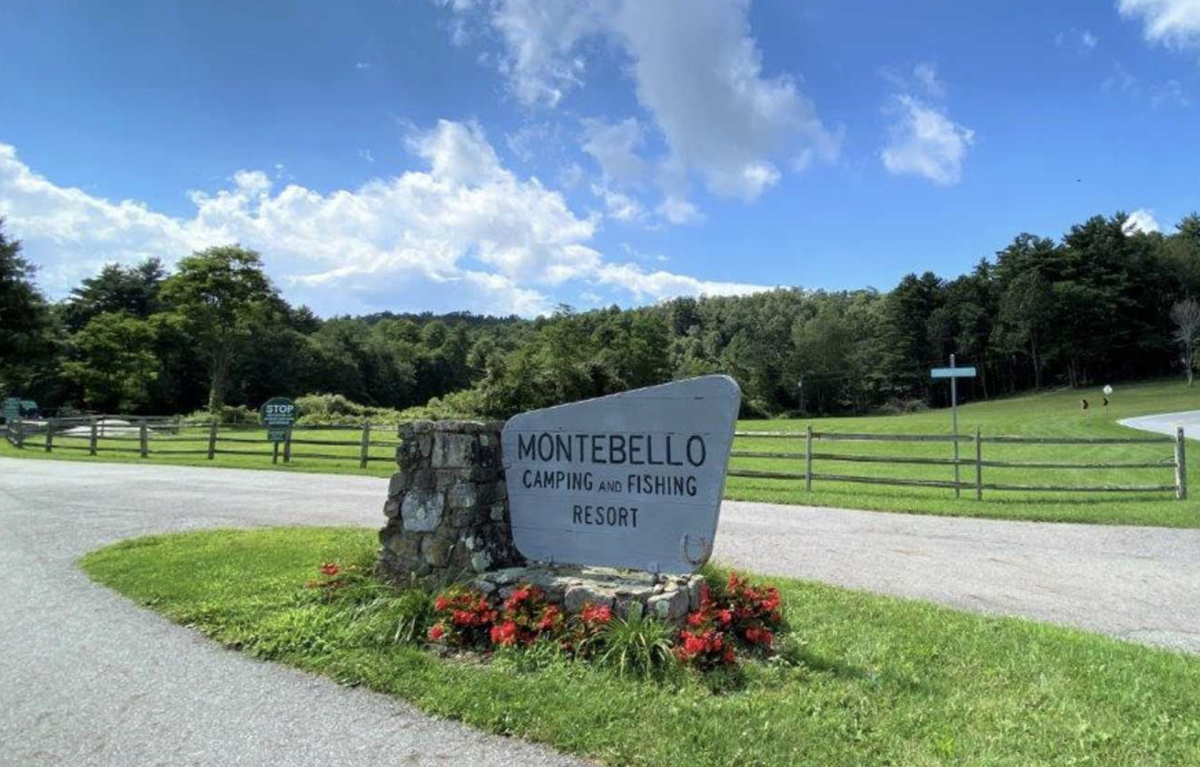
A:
(87, 678)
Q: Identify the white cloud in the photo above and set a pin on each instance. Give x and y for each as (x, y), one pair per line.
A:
(466, 233)
(620, 206)
(1174, 23)
(922, 139)
(1142, 220)
(366, 156)
(926, 74)
(660, 284)
(614, 147)
(678, 210)
(1082, 41)
(1170, 92)
(696, 70)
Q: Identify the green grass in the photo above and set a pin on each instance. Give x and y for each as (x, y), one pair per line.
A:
(877, 681)
(1050, 414)
(1055, 413)
(194, 440)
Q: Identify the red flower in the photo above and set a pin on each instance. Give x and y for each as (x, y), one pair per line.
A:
(594, 614)
(436, 632)
(441, 603)
(692, 644)
(725, 617)
(329, 568)
(505, 634)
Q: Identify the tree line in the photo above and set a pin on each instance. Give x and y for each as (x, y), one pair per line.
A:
(1102, 303)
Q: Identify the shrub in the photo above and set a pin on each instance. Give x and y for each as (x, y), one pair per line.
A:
(236, 414)
(463, 619)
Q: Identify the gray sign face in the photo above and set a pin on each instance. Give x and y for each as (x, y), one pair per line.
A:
(630, 480)
(278, 414)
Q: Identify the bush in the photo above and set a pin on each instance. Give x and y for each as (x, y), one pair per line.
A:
(327, 409)
(235, 414)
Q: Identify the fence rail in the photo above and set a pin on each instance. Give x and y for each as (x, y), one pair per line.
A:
(1176, 462)
(365, 444)
(163, 436)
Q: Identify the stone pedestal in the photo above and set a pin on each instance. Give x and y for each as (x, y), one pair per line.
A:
(666, 597)
(447, 510)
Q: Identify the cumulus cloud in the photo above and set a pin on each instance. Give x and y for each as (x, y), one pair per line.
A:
(464, 233)
(922, 139)
(1174, 23)
(696, 70)
(1142, 220)
(614, 147)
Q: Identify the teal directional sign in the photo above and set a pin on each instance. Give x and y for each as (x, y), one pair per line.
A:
(278, 415)
(968, 372)
(12, 409)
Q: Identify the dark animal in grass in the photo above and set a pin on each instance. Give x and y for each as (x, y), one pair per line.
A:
(1085, 403)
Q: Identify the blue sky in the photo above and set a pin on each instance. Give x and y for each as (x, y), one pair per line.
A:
(509, 155)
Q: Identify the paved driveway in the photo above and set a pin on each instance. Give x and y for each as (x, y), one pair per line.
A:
(1166, 423)
(87, 678)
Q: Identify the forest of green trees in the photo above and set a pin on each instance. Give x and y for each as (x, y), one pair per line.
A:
(1103, 303)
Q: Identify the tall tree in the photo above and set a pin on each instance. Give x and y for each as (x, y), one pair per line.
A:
(1186, 316)
(24, 317)
(112, 359)
(129, 289)
(219, 297)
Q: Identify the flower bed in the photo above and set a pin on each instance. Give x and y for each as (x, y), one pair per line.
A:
(737, 617)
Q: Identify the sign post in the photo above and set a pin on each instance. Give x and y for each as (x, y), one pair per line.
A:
(630, 480)
(954, 373)
(278, 414)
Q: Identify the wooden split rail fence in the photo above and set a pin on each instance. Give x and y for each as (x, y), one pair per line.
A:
(976, 465)
(158, 436)
(353, 443)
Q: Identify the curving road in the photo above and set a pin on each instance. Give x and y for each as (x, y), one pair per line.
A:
(87, 678)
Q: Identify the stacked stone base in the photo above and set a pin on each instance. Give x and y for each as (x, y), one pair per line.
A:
(447, 515)
(627, 592)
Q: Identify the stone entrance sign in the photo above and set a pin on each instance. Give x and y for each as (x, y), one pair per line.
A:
(631, 480)
(278, 415)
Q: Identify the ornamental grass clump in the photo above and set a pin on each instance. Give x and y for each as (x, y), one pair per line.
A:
(637, 645)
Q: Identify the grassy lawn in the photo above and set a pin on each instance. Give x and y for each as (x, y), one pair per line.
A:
(1055, 413)
(190, 445)
(876, 680)
(1051, 414)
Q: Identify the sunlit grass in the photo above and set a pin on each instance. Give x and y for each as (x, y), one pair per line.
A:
(873, 680)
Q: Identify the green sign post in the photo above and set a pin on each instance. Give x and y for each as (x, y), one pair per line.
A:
(12, 409)
(278, 414)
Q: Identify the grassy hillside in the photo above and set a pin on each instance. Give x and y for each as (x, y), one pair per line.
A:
(1055, 413)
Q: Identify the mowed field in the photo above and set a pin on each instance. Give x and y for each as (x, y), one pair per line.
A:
(1051, 414)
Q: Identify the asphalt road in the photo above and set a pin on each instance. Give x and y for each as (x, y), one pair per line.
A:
(1166, 423)
(87, 678)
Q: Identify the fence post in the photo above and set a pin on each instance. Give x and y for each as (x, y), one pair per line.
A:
(366, 446)
(49, 434)
(287, 445)
(212, 439)
(808, 459)
(92, 436)
(978, 465)
(144, 438)
(1180, 465)
(20, 432)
